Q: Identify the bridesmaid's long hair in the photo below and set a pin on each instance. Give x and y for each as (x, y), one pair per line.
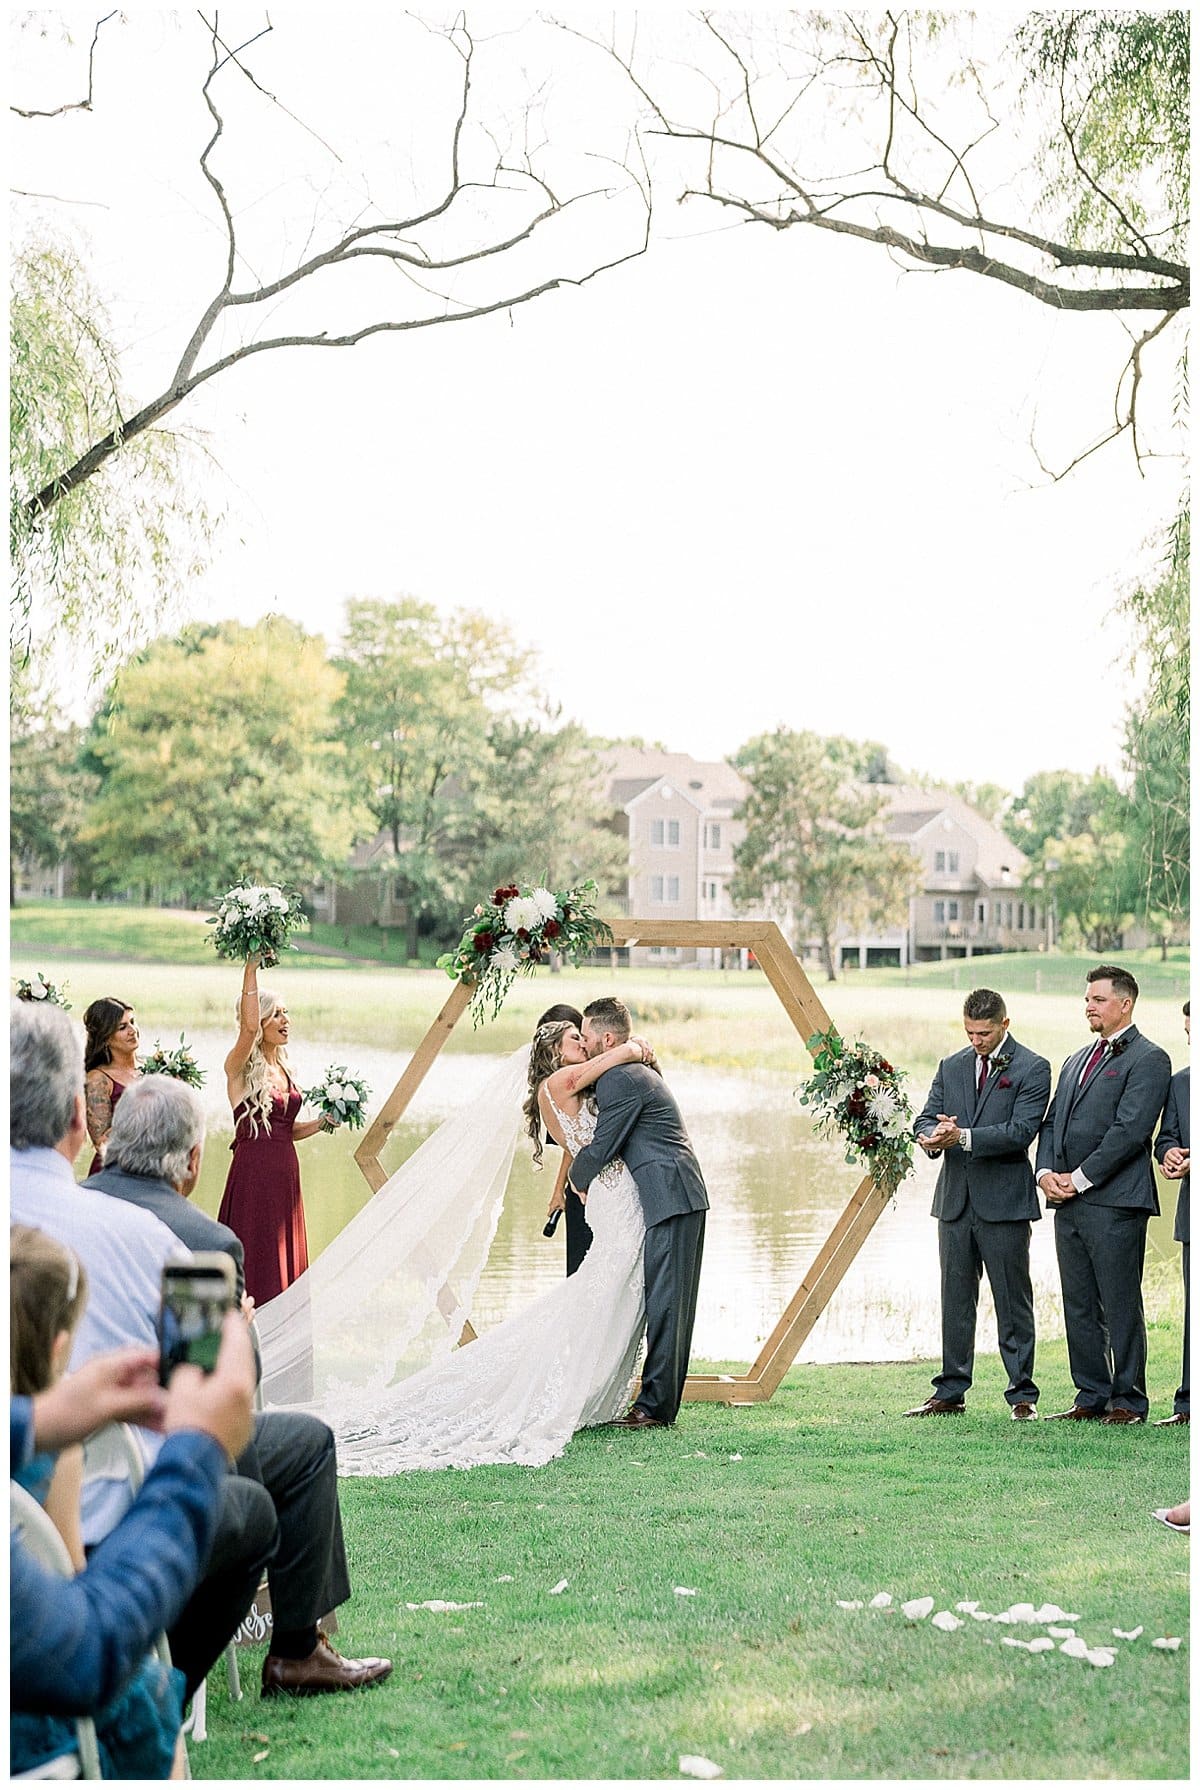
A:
(257, 1075)
(545, 1056)
(102, 1019)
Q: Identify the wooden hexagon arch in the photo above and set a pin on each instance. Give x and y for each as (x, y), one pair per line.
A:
(802, 1006)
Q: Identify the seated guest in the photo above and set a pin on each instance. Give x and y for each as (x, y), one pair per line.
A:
(279, 1507)
(78, 1646)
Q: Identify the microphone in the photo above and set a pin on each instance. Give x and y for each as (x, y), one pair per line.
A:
(551, 1224)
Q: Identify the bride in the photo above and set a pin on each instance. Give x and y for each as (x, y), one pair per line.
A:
(520, 1391)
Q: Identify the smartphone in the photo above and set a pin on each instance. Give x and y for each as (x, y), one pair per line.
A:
(195, 1297)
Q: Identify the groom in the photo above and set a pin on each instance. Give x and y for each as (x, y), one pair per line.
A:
(640, 1122)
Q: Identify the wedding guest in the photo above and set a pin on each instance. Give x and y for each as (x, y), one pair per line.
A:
(564, 1198)
(1174, 1155)
(1094, 1166)
(982, 1114)
(279, 1508)
(262, 1202)
(109, 1064)
(78, 1646)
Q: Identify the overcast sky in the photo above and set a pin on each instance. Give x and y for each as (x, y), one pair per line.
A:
(749, 478)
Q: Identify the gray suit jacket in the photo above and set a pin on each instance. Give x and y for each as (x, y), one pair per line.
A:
(640, 1122)
(1105, 1128)
(192, 1227)
(995, 1171)
(1176, 1133)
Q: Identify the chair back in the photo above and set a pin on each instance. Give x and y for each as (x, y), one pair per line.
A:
(48, 1548)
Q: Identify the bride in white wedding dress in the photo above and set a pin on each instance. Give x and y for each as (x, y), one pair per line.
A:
(519, 1393)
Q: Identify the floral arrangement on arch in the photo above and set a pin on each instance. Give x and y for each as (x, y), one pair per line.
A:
(42, 989)
(256, 920)
(179, 1063)
(508, 936)
(856, 1095)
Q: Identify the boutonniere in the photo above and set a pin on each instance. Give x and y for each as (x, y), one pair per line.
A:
(1114, 1050)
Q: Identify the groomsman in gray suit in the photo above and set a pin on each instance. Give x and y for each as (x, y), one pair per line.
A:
(1174, 1153)
(982, 1114)
(1095, 1168)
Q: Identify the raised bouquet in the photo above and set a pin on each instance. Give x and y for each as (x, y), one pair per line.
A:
(40, 989)
(508, 936)
(856, 1095)
(341, 1097)
(256, 920)
(179, 1063)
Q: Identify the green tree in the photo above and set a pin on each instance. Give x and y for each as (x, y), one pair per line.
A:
(217, 757)
(48, 791)
(815, 850)
(100, 566)
(988, 799)
(1060, 805)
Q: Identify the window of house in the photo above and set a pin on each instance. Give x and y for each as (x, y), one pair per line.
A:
(946, 862)
(952, 910)
(939, 913)
(939, 862)
(664, 832)
(664, 888)
(665, 951)
(712, 835)
(1008, 914)
(397, 892)
(995, 913)
(710, 891)
(1020, 916)
(981, 912)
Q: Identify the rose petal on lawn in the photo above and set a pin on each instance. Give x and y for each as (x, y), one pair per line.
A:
(1023, 1613)
(968, 1609)
(1128, 1634)
(556, 1590)
(917, 1608)
(1063, 1634)
(945, 1621)
(1075, 1648)
(981, 1616)
(849, 1603)
(881, 1600)
(440, 1605)
(1041, 1644)
(1051, 1613)
(1100, 1656)
(735, 1457)
(1012, 1641)
(259, 1757)
(682, 1591)
(505, 1578)
(693, 1765)
(1168, 1642)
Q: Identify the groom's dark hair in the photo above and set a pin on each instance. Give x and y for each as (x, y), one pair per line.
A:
(608, 1014)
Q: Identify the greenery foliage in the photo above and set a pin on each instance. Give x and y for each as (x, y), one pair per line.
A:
(857, 1096)
(512, 934)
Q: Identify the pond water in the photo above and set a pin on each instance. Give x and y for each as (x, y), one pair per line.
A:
(776, 1192)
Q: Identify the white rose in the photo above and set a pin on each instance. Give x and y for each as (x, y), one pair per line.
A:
(38, 989)
(351, 1096)
(277, 899)
(335, 1091)
(545, 904)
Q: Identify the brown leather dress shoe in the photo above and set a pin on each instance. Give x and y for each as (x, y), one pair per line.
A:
(937, 1407)
(637, 1419)
(1162, 1423)
(323, 1670)
(1121, 1415)
(1077, 1414)
(1023, 1411)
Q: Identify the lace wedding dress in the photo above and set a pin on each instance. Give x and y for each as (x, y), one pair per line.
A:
(519, 1393)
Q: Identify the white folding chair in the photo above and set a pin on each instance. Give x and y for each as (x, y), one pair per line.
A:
(50, 1550)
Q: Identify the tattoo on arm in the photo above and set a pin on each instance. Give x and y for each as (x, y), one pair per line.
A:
(99, 1108)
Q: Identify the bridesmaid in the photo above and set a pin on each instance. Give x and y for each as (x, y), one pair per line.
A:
(262, 1202)
(110, 1064)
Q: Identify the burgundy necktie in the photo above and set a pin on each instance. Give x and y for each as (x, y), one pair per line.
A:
(1092, 1061)
(983, 1075)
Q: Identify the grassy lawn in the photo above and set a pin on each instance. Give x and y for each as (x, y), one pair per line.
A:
(835, 1496)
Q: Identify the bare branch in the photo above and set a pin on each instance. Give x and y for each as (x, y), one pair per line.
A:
(78, 105)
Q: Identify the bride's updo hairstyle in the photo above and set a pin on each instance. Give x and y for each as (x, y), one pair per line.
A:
(256, 1076)
(545, 1056)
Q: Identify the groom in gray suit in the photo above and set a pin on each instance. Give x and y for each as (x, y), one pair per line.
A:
(640, 1122)
(982, 1114)
(1095, 1168)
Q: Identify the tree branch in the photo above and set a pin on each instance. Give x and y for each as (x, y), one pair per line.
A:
(78, 105)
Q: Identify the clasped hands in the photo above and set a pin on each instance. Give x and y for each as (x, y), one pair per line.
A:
(1058, 1189)
(944, 1136)
(1176, 1163)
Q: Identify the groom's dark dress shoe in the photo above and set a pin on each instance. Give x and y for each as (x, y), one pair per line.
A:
(323, 1670)
(1077, 1414)
(937, 1407)
(1121, 1415)
(637, 1419)
(1162, 1423)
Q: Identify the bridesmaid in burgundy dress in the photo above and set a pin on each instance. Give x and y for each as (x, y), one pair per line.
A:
(262, 1202)
(109, 1065)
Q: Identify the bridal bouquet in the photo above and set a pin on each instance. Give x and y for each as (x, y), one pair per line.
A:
(856, 1095)
(508, 936)
(179, 1063)
(341, 1097)
(42, 990)
(256, 920)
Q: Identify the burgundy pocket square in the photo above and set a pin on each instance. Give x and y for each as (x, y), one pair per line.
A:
(1004, 1082)
(1109, 1073)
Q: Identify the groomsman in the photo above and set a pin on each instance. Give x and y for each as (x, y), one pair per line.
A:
(1094, 1166)
(982, 1114)
(1173, 1151)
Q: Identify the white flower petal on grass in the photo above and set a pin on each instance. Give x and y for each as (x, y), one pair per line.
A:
(1128, 1634)
(1052, 1613)
(917, 1608)
(1100, 1656)
(505, 1578)
(851, 1603)
(735, 1457)
(1075, 1648)
(881, 1600)
(1169, 1643)
(1064, 1634)
(556, 1590)
(693, 1765)
(1025, 1613)
(1012, 1641)
(440, 1605)
(968, 1609)
(683, 1591)
(981, 1616)
(1040, 1644)
(945, 1621)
